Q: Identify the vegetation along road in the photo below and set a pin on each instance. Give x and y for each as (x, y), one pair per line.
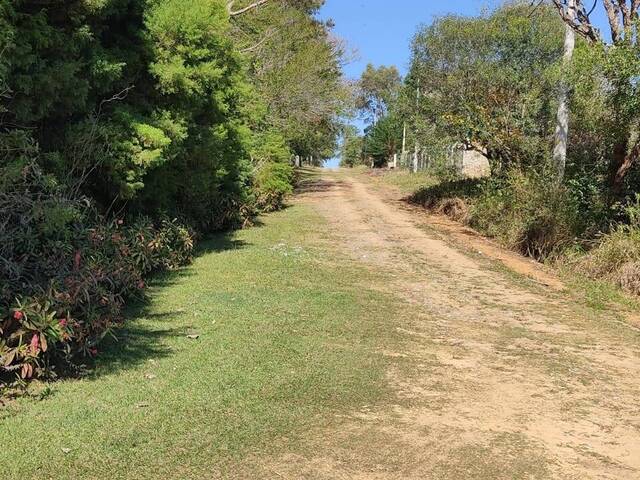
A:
(358, 340)
(186, 294)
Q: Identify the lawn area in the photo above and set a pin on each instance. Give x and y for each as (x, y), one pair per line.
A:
(403, 180)
(288, 334)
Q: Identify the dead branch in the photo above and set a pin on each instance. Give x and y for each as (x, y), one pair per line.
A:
(235, 13)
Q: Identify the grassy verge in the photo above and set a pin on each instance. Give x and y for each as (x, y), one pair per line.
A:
(404, 181)
(600, 295)
(284, 339)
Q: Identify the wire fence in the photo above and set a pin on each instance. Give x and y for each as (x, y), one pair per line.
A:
(450, 156)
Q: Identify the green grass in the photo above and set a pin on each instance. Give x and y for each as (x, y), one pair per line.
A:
(403, 180)
(285, 341)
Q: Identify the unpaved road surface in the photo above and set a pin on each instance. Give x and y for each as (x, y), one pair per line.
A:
(507, 378)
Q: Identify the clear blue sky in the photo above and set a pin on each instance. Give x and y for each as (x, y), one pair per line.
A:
(380, 31)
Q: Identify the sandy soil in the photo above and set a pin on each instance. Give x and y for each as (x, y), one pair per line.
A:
(498, 377)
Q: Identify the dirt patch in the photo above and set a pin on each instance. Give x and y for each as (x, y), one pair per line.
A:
(495, 379)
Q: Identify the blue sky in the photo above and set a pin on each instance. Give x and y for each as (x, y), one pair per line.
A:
(380, 31)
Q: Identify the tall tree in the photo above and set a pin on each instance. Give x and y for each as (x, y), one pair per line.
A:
(485, 82)
(376, 91)
(295, 66)
(562, 122)
(621, 70)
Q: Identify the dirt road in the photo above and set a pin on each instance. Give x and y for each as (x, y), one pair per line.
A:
(498, 377)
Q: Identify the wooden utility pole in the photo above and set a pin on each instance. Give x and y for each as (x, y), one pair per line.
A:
(562, 123)
(403, 156)
(417, 146)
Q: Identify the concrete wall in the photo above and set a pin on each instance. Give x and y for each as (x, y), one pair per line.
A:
(474, 165)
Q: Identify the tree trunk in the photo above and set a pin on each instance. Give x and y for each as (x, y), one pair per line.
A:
(562, 125)
(623, 163)
(417, 147)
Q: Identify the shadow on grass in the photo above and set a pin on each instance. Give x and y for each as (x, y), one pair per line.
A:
(143, 334)
(221, 242)
(464, 189)
(317, 185)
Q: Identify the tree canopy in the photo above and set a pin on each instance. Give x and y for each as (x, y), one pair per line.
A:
(377, 89)
(166, 105)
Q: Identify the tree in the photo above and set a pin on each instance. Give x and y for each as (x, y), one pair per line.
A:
(621, 14)
(383, 139)
(621, 69)
(487, 83)
(377, 90)
(200, 81)
(295, 68)
(136, 103)
(351, 150)
(562, 123)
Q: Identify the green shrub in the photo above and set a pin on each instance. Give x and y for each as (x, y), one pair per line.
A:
(612, 252)
(273, 182)
(66, 272)
(616, 256)
(527, 211)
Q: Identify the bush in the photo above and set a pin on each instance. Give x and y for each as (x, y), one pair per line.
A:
(66, 272)
(616, 256)
(451, 198)
(273, 182)
(613, 251)
(525, 211)
(529, 212)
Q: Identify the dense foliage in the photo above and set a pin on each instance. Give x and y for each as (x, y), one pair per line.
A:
(67, 271)
(351, 149)
(377, 90)
(497, 97)
(119, 116)
(376, 93)
(295, 66)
